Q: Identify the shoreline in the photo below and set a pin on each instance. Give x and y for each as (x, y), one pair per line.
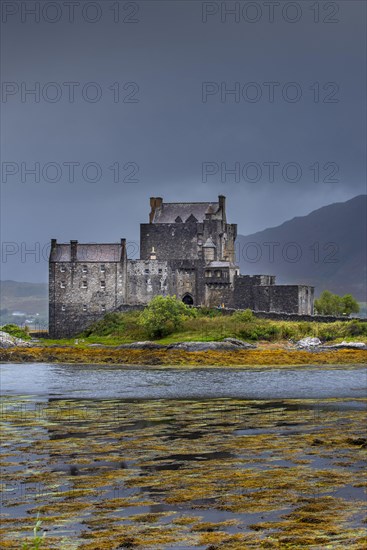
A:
(173, 357)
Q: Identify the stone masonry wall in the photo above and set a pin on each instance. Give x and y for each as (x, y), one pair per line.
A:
(170, 241)
(80, 293)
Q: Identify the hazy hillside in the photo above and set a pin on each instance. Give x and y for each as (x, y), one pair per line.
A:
(28, 298)
(328, 250)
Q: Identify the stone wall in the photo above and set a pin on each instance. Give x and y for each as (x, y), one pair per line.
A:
(170, 241)
(83, 292)
(146, 279)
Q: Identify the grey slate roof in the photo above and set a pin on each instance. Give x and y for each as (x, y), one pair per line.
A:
(170, 211)
(88, 253)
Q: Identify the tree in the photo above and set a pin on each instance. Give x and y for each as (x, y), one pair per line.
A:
(164, 315)
(332, 304)
(350, 304)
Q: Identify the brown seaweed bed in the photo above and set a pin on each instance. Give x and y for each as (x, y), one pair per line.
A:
(183, 474)
(251, 358)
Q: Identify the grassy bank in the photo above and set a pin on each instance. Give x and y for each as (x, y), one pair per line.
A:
(212, 325)
(272, 339)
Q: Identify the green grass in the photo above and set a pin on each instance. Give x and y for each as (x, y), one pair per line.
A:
(16, 331)
(120, 328)
(37, 541)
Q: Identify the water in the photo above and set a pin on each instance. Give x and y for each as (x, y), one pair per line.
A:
(102, 382)
(183, 454)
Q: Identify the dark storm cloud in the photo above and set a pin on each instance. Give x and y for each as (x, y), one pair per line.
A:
(169, 133)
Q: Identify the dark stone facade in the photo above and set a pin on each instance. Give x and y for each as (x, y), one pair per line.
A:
(186, 249)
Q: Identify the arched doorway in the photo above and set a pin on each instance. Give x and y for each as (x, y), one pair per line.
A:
(188, 300)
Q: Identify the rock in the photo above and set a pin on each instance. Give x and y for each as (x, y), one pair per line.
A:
(142, 345)
(7, 341)
(226, 345)
(239, 343)
(308, 342)
(347, 345)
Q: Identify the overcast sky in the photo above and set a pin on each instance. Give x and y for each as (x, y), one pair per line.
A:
(142, 96)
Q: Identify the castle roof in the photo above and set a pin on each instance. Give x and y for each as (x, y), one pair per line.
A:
(87, 253)
(169, 212)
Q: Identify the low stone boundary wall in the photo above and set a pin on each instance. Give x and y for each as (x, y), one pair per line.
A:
(279, 316)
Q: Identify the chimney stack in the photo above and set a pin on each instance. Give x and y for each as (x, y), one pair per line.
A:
(155, 203)
(222, 206)
(73, 250)
(123, 249)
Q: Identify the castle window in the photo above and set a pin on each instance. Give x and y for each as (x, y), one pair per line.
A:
(146, 271)
(63, 308)
(103, 268)
(62, 284)
(218, 274)
(208, 273)
(85, 269)
(85, 307)
(84, 284)
(103, 307)
(159, 271)
(103, 285)
(62, 269)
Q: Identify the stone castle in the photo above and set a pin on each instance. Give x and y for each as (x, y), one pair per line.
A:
(186, 249)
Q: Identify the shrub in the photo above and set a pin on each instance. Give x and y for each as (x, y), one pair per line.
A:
(16, 331)
(243, 316)
(164, 315)
(112, 323)
(265, 331)
(355, 328)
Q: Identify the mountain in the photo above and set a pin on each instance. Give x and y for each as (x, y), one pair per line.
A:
(326, 249)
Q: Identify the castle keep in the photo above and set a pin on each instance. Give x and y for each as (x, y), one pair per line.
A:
(186, 249)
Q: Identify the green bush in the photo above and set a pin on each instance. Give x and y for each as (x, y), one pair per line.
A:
(209, 312)
(355, 328)
(164, 315)
(259, 331)
(16, 331)
(243, 316)
(332, 304)
(112, 323)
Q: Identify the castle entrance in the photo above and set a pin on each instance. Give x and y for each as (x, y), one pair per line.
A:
(188, 300)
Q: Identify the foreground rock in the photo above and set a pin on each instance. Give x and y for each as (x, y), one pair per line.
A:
(7, 341)
(230, 344)
(142, 345)
(307, 343)
(310, 344)
(347, 345)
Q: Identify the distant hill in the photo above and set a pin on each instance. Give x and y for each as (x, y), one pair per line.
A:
(28, 298)
(328, 250)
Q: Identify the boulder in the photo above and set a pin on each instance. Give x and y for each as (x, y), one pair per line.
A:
(308, 343)
(228, 344)
(7, 341)
(347, 345)
(142, 345)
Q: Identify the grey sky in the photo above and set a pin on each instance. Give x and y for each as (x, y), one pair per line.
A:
(169, 131)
